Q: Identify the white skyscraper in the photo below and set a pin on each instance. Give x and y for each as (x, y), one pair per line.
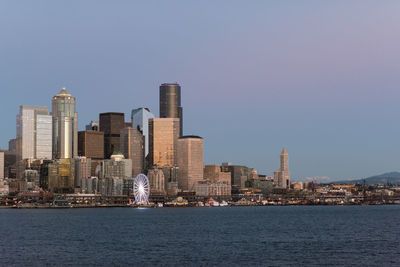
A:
(34, 133)
(140, 120)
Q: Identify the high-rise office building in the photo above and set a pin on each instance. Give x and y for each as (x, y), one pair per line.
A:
(140, 120)
(111, 124)
(163, 138)
(190, 162)
(91, 144)
(282, 176)
(132, 147)
(12, 145)
(34, 133)
(65, 126)
(170, 102)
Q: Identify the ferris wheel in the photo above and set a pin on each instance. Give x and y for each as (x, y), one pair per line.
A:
(141, 189)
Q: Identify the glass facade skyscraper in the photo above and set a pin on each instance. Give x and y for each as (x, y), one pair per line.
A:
(132, 147)
(163, 138)
(34, 133)
(65, 126)
(111, 123)
(170, 102)
(140, 120)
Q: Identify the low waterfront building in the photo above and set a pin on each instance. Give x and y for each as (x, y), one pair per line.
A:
(239, 174)
(214, 174)
(157, 180)
(31, 177)
(207, 188)
(263, 184)
(171, 174)
(4, 189)
(89, 185)
(297, 185)
(111, 186)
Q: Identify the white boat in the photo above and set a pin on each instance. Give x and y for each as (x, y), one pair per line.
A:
(223, 204)
(215, 203)
(160, 205)
(200, 204)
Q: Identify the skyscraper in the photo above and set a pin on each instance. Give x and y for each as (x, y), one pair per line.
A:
(65, 126)
(190, 162)
(132, 147)
(12, 145)
(163, 138)
(282, 176)
(34, 133)
(111, 124)
(91, 144)
(140, 120)
(170, 102)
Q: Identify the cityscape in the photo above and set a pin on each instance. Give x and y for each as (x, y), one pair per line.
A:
(199, 133)
(51, 163)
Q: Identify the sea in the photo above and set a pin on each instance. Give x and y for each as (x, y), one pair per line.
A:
(204, 236)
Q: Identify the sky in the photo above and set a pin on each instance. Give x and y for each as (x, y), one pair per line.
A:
(320, 78)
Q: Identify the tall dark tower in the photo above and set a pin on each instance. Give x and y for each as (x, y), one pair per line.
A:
(170, 102)
(111, 124)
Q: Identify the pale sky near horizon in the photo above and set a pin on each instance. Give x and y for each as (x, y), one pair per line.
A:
(318, 77)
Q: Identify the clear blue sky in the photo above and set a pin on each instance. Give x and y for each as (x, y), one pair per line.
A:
(318, 77)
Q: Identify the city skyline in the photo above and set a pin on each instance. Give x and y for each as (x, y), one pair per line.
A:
(345, 130)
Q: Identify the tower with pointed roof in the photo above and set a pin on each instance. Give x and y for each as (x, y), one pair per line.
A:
(282, 176)
(65, 126)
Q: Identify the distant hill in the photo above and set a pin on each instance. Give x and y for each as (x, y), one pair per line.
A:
(390, 177)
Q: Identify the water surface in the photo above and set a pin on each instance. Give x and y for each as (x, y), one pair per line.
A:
(270, 236)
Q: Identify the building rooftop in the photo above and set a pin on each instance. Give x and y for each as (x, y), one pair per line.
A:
(190, 136)
(63, 92)
(167, 84)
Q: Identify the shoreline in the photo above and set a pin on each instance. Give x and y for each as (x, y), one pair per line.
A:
(155, 207)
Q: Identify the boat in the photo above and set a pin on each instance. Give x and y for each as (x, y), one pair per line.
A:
(215, 203)
(160, 205)
(200, 204)
(223, 204)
